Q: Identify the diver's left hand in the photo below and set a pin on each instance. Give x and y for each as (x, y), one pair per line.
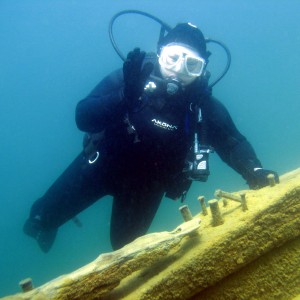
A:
(259, 178)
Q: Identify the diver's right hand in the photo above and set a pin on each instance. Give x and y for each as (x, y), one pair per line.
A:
(135, 76)
(259, 178)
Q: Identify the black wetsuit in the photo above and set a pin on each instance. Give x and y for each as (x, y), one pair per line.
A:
(141, 157)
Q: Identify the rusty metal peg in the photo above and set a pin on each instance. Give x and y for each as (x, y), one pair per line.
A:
(186, 213)
(201, 200)
(217, 218)
(271, 180)
(230, 196)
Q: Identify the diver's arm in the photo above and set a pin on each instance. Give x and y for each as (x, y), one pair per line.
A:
(102, 105)
(229, 143)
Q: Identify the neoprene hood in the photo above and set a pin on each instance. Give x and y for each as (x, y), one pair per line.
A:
(186, 33)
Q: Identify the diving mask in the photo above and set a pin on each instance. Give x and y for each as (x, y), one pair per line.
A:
(181, 60)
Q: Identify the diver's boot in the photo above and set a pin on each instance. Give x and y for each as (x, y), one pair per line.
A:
(44, 237)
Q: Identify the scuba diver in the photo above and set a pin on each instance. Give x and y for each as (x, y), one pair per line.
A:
(150, 127)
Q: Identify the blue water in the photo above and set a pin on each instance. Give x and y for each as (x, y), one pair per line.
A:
(53, 53)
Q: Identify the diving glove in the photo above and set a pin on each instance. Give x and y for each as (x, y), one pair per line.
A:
(259, 178)
(135, 76)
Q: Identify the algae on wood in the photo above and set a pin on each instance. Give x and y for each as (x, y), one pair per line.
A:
(254, 254)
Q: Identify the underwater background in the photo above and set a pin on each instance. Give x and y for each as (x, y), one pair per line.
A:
(52, 55)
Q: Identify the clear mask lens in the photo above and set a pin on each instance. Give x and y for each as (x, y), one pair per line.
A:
(181, 60)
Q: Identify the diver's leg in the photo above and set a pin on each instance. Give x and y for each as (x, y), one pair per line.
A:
(134, 208)
(77, 188)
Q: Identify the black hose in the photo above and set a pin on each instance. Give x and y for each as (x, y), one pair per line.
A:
(228, 60)
(164, 27)
(112, 39)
